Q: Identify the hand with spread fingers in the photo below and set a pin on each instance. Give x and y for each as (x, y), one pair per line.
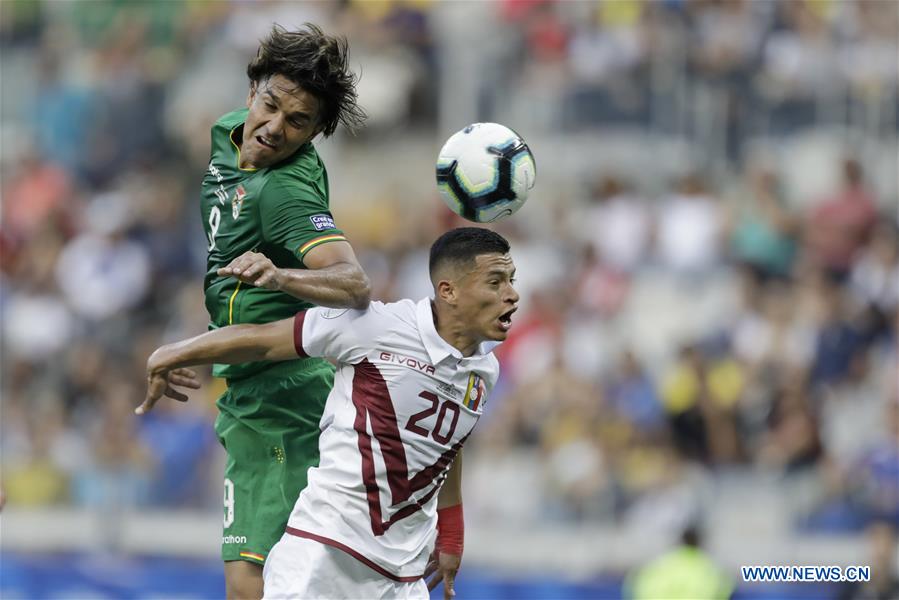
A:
(160, 382)
(254, 268)
(442, 567)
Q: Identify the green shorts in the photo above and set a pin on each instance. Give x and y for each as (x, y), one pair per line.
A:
(269, 427)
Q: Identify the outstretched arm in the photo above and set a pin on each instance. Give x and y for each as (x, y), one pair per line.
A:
(233, 344)
(333, 276)
(450, 532)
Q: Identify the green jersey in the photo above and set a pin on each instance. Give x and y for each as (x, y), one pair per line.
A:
(281, 211)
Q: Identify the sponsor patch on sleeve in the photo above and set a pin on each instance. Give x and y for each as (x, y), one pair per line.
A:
(333, 313)
(322, 222)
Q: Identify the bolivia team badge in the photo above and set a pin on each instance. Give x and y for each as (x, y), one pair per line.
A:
(476, 394)
(237, 200)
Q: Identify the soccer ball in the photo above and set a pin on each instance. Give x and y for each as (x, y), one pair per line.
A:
(485, 172)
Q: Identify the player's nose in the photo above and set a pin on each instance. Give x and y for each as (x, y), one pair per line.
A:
(276, 127)
(512, 297)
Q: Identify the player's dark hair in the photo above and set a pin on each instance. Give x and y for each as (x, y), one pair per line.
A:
(463, 245)
(319, 64)
(692, 536)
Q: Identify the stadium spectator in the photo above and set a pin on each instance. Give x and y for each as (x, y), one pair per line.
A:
(762, 231)
(689, 234)
(101, 271)
(874, 479)
(867, 58)
(631, 394)
(700, 396)
(120, 467)
(768, 338)
(38, 478)
(838, 340)
(874, 279)
(799, 64)
(686, 571)
(839, 226)
(792, 443)
(617, 224)
(182, 440)
(600, 289)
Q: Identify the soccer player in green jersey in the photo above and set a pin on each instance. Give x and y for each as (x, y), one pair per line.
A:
(274, 250)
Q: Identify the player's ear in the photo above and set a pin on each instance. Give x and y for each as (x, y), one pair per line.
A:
(447, 291)
(318, 129)
(252, 94)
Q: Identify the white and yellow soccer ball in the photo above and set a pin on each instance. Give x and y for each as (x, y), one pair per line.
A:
(485, 172)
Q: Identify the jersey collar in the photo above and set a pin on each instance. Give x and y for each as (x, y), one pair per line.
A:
(438, 348)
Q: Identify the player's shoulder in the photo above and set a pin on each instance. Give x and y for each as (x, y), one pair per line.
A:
(401, 310)
(490, 368)
(229, 121)
(389, 320)
(376, 312)
(304, 166)
(390, 316)
(300, 178)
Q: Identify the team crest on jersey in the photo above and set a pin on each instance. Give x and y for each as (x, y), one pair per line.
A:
(237, 201)
(476, 394)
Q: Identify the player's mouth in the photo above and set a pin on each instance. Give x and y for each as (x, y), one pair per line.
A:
(505, 320)
(266, 142)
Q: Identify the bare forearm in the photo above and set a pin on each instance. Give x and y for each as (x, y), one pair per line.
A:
(233, 344)
(451, 492)
(342, 285)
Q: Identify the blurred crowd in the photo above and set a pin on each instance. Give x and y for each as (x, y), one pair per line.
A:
(700, 334)
(740, 66)
(665, 339)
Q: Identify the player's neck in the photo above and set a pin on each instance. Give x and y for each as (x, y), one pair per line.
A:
(453, 332)
(237, 140)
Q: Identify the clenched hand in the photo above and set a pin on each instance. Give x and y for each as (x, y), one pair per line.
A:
(253, 268)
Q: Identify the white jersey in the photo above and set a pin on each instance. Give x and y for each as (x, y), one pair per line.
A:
(403, 403)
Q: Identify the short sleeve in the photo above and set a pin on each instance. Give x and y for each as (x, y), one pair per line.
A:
(295, 216)
(344, 334)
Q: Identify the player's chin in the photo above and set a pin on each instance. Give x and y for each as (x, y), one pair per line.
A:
(265, 156)
(263, 160)
(499, 332)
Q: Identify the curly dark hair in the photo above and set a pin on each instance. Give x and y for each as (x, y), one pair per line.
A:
(319, 64)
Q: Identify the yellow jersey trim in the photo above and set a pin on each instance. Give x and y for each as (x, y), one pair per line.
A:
(252, 555)
(231, 304)
(321, 240)
(236, 147)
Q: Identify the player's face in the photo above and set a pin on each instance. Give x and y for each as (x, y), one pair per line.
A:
(487, 297)
(282, 118)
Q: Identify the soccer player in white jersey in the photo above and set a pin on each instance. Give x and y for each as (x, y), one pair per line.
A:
(411, 383)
